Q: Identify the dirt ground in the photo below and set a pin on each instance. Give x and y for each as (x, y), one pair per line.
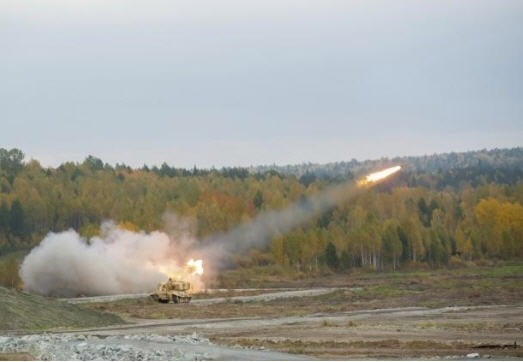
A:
(434, 314)
(409, 332)
(16, 357)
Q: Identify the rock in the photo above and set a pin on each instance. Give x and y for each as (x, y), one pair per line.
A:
(115, 347)
(473, 355)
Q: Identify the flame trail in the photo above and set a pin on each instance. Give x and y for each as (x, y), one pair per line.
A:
(378, 176)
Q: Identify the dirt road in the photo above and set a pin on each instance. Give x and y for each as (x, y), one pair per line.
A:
(264, 295)
(451, 332)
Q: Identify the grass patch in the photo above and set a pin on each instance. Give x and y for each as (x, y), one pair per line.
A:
(16, 357)
(471, 326)
(378, 348)
(22, 311)
(380, 291)
(270, 276)
(328, 323)
(505, 271)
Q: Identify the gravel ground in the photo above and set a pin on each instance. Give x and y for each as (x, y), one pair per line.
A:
(131, 347)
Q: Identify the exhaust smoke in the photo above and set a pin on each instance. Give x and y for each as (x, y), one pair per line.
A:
(117, 262)
(267, 225)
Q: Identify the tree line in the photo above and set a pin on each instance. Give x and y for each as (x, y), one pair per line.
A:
(419, 217)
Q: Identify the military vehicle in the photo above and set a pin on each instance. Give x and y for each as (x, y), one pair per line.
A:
(172, 290)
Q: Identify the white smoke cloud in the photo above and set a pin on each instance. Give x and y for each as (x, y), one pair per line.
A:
(118, 261)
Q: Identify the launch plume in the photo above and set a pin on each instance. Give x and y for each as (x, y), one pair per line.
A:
(118, 261)
(121, 261)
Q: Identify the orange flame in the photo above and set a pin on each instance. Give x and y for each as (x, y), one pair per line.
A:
(195, 267)
(191, 272)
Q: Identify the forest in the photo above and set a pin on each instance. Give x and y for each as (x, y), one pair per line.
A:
(440, 210)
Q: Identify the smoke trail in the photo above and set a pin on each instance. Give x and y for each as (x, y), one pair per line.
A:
(264, 227)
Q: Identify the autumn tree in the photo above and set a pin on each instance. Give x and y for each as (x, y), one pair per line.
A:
(331, 256)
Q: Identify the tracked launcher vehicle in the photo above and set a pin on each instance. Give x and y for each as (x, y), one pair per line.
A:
(172, 290)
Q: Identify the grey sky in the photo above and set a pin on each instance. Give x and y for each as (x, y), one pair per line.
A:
(258, 82)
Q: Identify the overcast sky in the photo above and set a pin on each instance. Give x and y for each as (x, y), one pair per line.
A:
(230, 83)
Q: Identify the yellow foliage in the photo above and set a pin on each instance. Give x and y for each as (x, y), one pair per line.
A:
(90, 230)
(127, 225)
(501, 227)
